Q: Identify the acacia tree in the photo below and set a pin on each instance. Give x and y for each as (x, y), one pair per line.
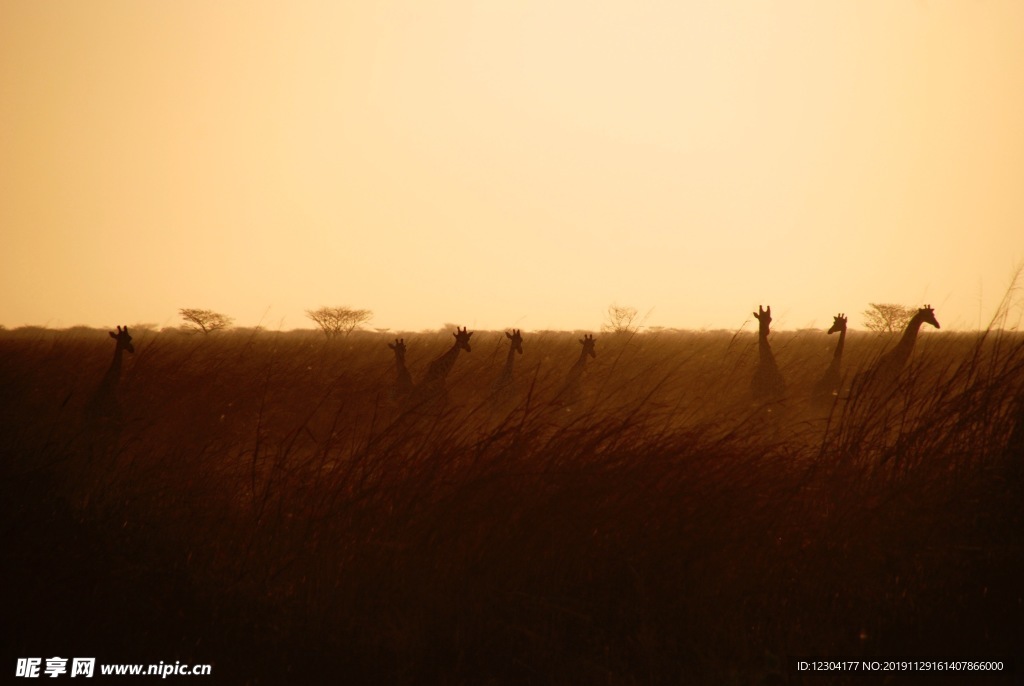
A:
(620, 319)
(205, 321)
(335, 320)
(887, 317)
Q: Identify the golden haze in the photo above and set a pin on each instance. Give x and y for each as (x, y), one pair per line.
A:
(498, 165)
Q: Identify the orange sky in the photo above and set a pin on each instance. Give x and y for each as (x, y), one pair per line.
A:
(508, 164)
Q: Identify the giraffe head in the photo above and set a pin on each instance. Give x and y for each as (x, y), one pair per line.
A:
(588, 342)
(839, 323)
(124, 340)
(517, 340)
(764, 318)
(462, 338)
(399, 347)
(927, 315)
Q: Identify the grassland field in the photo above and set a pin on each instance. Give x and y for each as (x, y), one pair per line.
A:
(265, 504)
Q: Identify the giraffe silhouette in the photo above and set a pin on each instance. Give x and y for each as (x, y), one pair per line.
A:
(572, 390)
(889, 366)
(403, 383)
(431, 387)
(104, 405)
(827, 387)
(767, 383)
(503, 383)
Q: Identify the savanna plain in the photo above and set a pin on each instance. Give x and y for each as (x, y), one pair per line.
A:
(263, 502)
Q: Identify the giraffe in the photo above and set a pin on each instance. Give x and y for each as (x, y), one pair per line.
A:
(827, 387)
(403, 384)
(432, 385)
(503, 382)
(104, 405)
(572, 390)
(891, 363)
(767, 383)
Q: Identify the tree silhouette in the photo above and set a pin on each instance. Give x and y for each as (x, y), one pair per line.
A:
(335, 320)
(620, 319)
(887, 317)
(206, 321)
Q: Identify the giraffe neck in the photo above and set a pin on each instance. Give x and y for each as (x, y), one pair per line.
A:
(506, 372)
(103, 403)
(440, 367)
(572, 389)
(577, 369)
(404, 378)
(837, 357)
(504, 380)
(764, 349)
(115, 365)
(767, 382)
(113, 374)
(838, 354)
(901, 353)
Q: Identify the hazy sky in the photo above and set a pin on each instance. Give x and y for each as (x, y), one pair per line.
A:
(500, 164)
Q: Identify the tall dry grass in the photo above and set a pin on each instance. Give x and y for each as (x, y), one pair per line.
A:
(266, 505)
